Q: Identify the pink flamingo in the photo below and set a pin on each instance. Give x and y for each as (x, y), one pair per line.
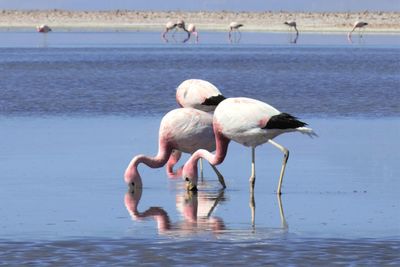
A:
(198, 94)
(234, 26)
(168, 27)
(192, 30)
(183, 129)
(180, 24)
(251, 123)
(359, 25)
(292, 24)
(43, 28)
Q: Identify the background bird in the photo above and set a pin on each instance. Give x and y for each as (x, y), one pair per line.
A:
(43, 28)
(358, 24)
(292, 24)
(234, 27)
(251, 123)
(168, 27)
(192, 30)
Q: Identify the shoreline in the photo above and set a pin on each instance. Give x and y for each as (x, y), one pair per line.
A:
(125, 20)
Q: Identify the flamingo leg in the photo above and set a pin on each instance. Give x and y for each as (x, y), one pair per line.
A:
(285, 159)
(240, 36)
(253, 168)
(219, 175)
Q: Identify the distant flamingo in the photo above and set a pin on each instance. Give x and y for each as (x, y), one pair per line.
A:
(180, 24)
(293, 24)
(359, 25)
(192, 30)
(168, 27)
(43, 28)
(199, 94)
(234, 26)
(183, 129)
(251, 123)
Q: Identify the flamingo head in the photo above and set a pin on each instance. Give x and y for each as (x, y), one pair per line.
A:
(132, 176)
(189, 174)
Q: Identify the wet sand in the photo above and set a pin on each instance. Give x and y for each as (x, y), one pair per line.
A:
(386, 22)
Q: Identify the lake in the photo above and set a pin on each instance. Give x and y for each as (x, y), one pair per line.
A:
(76, 108)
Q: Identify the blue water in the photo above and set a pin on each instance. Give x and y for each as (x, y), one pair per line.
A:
(73, 113)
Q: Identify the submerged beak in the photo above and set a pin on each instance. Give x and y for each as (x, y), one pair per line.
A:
(191, 187)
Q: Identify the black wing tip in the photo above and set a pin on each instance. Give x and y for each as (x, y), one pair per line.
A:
(284, 121)
(214, 100)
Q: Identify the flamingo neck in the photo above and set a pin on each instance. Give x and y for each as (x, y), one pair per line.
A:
(190, 168)
(132, 173)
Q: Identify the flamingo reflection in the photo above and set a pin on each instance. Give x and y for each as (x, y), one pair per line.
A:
(195, 208)
(252, 204)
(196, 211)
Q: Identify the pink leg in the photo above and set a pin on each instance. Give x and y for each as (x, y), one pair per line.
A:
(173, 159)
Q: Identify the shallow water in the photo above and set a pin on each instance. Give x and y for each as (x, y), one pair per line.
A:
(63, 197)
(71, 118)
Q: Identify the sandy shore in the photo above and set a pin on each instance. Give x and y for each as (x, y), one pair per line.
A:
(62, 20)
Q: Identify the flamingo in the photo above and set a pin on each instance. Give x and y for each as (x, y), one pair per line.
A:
(251, 123)
(168, 27)
(43, 28)
(359, 25)
(292, 24)
(199, 94)
(180, 24)
(183, 129)
(192, 30)
(234, 26)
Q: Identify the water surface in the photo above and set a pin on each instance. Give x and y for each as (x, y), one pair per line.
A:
(72, 115)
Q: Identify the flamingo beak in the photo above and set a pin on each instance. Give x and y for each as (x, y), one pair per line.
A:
(190, 186)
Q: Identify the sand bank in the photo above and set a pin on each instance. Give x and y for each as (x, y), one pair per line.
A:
(62, 20)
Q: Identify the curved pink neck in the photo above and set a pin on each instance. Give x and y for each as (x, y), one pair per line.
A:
(132, 173)
(190, 168)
